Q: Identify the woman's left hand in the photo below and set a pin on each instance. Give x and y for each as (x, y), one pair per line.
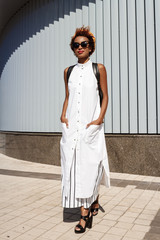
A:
(95, 122)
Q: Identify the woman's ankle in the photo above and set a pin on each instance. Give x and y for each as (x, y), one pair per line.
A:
(84, 211)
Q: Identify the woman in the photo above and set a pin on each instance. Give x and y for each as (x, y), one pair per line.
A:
(84, 158)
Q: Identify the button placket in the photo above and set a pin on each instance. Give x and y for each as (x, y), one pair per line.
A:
(78, 189)
(79, 90)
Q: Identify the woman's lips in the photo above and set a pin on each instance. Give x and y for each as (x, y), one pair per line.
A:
(80, 52)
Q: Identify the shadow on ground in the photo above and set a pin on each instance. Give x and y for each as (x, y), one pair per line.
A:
(154, 232)
(74, 214)
(146, 185)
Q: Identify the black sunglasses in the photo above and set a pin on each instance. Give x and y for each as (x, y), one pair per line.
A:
(83, 44)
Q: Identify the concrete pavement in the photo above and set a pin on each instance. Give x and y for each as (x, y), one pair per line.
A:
(30, 205)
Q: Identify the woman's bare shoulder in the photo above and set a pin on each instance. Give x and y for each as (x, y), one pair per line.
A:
(66, 69)
(101, 67)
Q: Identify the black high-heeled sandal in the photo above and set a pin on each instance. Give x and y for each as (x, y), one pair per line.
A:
(88, 219)
(94, 211)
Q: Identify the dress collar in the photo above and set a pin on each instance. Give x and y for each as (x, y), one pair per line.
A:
(84, 64)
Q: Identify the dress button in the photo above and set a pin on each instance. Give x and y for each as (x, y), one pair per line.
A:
(79, 83)
(81, 76)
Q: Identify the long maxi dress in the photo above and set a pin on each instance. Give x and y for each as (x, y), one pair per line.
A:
(84, 158)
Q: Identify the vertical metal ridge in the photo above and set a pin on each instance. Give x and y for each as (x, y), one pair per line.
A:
(103, 37)
(111, 66)
(128, 68)
(88, 14)
(155, 44)
(96, 26)
(119, 69)
(137, 67)
(146, 64)
(103, 28)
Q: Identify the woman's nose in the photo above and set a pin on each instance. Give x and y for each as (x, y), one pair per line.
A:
(80, 47)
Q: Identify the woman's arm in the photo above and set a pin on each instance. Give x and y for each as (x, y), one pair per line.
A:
(65, 104)
(103, 84)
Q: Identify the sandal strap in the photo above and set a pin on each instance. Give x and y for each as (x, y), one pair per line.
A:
(85, 218)
(96, 201)
(94, 209)
(79, 226)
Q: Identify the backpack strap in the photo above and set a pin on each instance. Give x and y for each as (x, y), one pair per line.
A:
(97, 74)
(69, 72)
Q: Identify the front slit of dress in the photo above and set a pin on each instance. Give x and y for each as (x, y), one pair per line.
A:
(71, 201)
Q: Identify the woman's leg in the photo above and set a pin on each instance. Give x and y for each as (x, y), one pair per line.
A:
(95, 207)
(85, 220)
(84, 212)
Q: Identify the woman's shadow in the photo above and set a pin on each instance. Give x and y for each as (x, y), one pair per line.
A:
(73, 214)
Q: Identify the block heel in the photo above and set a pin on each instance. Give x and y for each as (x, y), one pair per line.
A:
(90, 221)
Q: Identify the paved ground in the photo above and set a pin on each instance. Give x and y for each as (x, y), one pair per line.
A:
(30, 205)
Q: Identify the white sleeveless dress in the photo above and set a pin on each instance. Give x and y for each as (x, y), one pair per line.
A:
(84, 158)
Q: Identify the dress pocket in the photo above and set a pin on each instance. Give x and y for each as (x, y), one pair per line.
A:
(92, 133)
(64, 132)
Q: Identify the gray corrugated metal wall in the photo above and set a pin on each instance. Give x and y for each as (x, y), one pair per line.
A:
(34, 51)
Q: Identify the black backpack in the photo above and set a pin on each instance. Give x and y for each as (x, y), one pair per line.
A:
(97, 74)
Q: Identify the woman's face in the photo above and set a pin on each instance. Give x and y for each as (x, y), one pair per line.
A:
(82, 52)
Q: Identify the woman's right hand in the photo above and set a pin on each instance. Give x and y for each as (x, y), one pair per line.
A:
(64, 120)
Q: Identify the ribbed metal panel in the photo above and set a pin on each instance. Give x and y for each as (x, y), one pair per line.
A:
(34, 50)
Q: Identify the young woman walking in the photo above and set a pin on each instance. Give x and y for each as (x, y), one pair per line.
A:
(84, 158)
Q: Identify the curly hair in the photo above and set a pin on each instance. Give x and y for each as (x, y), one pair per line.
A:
(85, 32)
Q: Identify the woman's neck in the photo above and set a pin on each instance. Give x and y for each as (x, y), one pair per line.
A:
(83, 60)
